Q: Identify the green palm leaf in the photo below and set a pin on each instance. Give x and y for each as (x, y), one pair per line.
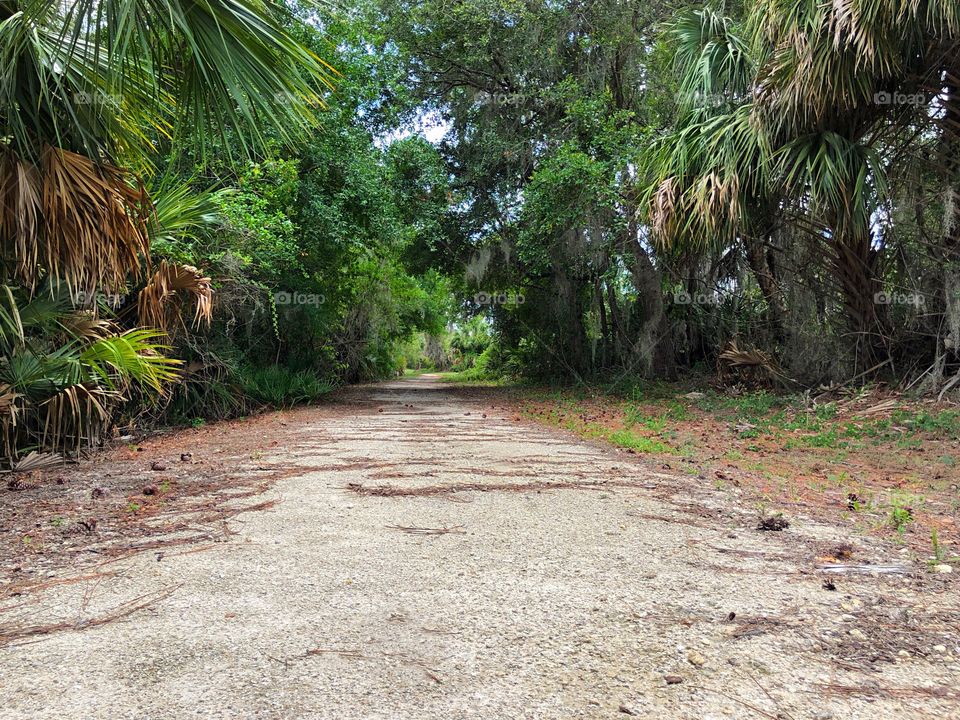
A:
(132, 357)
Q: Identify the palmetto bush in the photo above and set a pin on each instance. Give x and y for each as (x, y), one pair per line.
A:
(280, 386)
(65, 371)
(95, 95)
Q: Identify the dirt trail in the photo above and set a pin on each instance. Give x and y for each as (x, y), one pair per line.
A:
(527, 602)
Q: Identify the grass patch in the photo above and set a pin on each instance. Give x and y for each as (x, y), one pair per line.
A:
(639, 443)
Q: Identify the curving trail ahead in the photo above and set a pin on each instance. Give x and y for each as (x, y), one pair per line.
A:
(538, 601)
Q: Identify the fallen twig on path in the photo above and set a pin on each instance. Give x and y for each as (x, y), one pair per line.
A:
(864, 569)
(404, 659)
(342, 653)
(15, 590)
(750, 706)
(455, 530)
(12, 633)
(874, 689)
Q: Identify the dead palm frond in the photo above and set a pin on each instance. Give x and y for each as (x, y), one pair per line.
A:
(64, 372)
(72, 219)
(90, 86)
(751, 365)
(160, 304)
(74, 416)
(37, 461)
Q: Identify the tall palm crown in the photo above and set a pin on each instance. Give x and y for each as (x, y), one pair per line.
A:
(798, 126)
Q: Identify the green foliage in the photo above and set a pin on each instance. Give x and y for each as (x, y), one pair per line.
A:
(639, 443)
(127, 89)
(186, 70)
(281, 387)
(648, 182)
(64, 373)
(472, 340)
(900, 517)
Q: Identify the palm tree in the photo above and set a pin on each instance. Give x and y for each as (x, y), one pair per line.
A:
(797, 128)
(92, 93)
(829, 67)
(90, 88)
(709, 183)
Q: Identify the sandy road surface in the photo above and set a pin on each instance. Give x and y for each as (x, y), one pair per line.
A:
(556, 602)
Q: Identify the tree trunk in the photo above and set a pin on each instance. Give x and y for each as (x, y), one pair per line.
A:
(571, 350)
(855, 264)
(616, 324)
(769, 285)
(604, 326)
(951, 220)
(652, 346)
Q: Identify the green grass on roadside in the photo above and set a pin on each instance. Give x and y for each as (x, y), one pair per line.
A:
(639, 443)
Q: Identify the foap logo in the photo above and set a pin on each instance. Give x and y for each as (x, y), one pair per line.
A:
(486, 298)
(296, 298)
(899, 98)
(898, 298)
(289, 98)
(89, 299)
(685, 298)
(500, 98)
(97, 98)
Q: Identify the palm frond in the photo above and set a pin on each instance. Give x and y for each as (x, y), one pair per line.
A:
(214, 65)
(706, 179)
(11, 324)
(180, 211)
(160, 303)
(73, 416)
(713, 61)
(133, 357)
(844, 180)
(72, 219)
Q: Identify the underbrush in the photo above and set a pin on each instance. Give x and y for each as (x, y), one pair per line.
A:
(222, 393)
(282, 387)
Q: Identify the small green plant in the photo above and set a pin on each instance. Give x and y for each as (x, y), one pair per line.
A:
(938, 554)
(197, 422)
(133, 507)
(755, 405)
(824, 439)
(900, 517)
(840, 479)
(281, 387)
(57, 522)
(826, 412)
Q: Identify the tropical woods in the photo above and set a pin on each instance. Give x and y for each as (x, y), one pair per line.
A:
(191, 228)
(771, 183)
(212, 206)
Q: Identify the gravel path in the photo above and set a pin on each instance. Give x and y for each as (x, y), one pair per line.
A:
(653, 596)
